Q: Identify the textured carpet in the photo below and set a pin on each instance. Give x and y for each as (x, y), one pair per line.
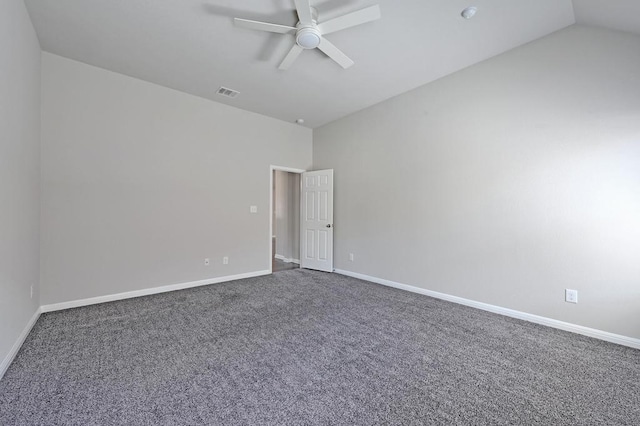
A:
(302, 347)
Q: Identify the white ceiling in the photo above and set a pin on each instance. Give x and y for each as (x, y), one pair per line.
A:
(193, 46)
(623, 15)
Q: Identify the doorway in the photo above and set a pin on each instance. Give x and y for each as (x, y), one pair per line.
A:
(285, 219)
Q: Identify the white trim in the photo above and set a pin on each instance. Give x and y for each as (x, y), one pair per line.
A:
(287, 260)
(272, 169)
(6, 362)
(287, 169)
(147, 291)
(549, 322)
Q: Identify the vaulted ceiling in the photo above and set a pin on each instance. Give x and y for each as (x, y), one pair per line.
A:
(193, 45)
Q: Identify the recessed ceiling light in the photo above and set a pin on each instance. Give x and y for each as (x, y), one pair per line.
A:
(469, 12)
(300, 121)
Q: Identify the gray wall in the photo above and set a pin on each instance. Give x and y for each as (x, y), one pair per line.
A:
(142, 183)
(19, 171)
(287, 215)
(504, 183)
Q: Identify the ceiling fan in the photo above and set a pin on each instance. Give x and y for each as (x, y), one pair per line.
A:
(310, 34)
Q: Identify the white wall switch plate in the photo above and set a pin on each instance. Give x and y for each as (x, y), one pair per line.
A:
(225, 260)
(571, 296)
(351, 257)
(253, 209)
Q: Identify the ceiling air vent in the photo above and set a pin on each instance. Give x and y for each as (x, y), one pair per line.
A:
(229, 93)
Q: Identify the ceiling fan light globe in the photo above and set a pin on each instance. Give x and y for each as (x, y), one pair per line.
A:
(308, 38)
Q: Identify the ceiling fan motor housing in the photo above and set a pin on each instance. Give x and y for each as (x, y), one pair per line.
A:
(308, 37)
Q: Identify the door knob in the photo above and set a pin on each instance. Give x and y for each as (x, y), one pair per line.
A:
(329, 225)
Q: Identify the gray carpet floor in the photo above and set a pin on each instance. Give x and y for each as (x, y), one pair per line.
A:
(302, 347)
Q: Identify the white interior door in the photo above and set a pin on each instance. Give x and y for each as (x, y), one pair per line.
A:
(316, 220)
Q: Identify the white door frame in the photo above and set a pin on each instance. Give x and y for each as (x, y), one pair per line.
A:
(272, 169)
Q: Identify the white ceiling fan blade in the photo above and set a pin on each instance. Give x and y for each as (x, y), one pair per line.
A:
(291, 57)
(350, 20)
(334, 53)
(303, 7)
(264, 26)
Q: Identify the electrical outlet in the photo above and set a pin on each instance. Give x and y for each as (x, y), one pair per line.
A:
(206, 262)
(571, 296)
(225, 260)
(32, 292)
(351, 257)
(253, 209)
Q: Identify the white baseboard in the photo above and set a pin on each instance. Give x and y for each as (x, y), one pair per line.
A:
(287, 260)
(6, 362)
(591, 332)
(574, 328)
(147, 291)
